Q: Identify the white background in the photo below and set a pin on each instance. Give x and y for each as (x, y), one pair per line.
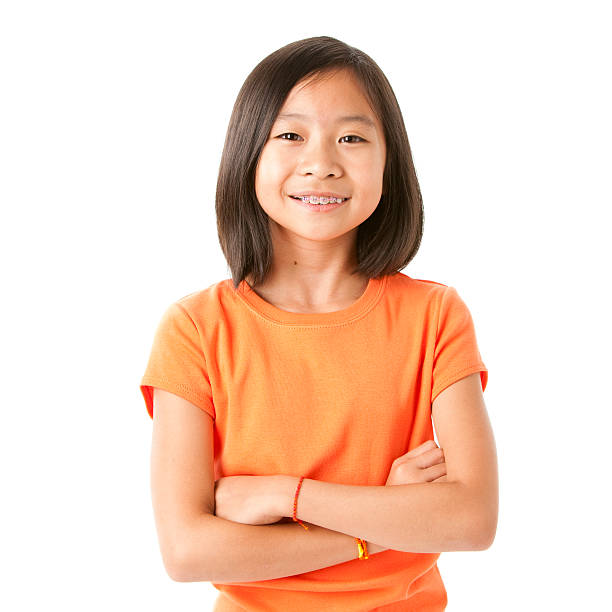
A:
(112, 121)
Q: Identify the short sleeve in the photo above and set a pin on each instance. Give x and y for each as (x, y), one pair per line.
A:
(456, 353)
(177, 362)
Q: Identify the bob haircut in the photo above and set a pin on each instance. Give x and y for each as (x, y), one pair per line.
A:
(389, 238)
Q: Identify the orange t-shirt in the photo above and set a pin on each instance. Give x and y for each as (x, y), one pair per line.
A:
(334, 396)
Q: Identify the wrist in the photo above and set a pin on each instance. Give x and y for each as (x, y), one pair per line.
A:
(375, 548)
(285, 488)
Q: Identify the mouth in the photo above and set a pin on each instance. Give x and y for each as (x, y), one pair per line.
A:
(320, 204)
(319, 200)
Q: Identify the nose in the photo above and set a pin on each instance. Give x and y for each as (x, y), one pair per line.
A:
(319, 159)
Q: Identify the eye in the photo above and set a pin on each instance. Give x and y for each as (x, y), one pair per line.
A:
(359, 139)
(281, 136)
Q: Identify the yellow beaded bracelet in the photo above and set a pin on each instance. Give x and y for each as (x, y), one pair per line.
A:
(363, 549)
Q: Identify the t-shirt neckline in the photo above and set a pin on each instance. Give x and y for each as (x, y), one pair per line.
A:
(362, 305)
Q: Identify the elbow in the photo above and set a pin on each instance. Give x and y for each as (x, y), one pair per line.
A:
(177, 565)
(190, 561)
(485, 533)
(480, 523)
(177, 555)
(482, 541)
(182, 543)
(176, 573)
(182, 569)
(188, 567)
(181, 575)
(486, 541)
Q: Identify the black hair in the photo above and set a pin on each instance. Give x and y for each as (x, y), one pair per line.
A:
(389, 238)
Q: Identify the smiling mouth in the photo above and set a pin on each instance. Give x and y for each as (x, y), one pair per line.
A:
(319, 199)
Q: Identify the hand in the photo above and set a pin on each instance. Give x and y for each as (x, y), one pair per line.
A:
(246, 499)
(425, 463)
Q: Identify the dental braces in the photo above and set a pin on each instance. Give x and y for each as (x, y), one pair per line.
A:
(320, 200)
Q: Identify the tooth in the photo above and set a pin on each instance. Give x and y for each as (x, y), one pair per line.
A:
(321, 199)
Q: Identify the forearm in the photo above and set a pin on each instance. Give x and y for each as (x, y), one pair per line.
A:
(223, 551)
(420, 518)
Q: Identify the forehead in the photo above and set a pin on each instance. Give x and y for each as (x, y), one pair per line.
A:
(329, 97)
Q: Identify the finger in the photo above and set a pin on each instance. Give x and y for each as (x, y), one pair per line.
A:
(434, 472)
(441, 479)
(419, 450)
(432, 457)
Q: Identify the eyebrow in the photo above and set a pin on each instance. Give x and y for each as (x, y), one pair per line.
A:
(347, 119)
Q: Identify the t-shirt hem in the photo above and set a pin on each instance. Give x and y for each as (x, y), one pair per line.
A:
(148, 382)
(448, 380)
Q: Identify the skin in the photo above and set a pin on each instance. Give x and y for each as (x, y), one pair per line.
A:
(313, 251)
(260, 500)
(313, 255)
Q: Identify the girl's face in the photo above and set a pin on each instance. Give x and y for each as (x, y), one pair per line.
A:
(326, 139)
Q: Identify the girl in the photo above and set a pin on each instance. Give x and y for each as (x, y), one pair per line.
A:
(293, 462)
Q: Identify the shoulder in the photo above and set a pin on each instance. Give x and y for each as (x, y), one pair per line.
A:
(404, 281)
(203, 312)
(417, 291)
(206, 301)
(440, 304)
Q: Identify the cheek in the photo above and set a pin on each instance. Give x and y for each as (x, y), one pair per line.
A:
(377, 170)
(269, 171)
(371, 174)
(262, 175)
(268, 182)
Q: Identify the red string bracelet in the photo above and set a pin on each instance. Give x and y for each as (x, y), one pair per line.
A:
(297, 520)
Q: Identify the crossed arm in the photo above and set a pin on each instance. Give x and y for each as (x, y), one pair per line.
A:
(458, 514)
